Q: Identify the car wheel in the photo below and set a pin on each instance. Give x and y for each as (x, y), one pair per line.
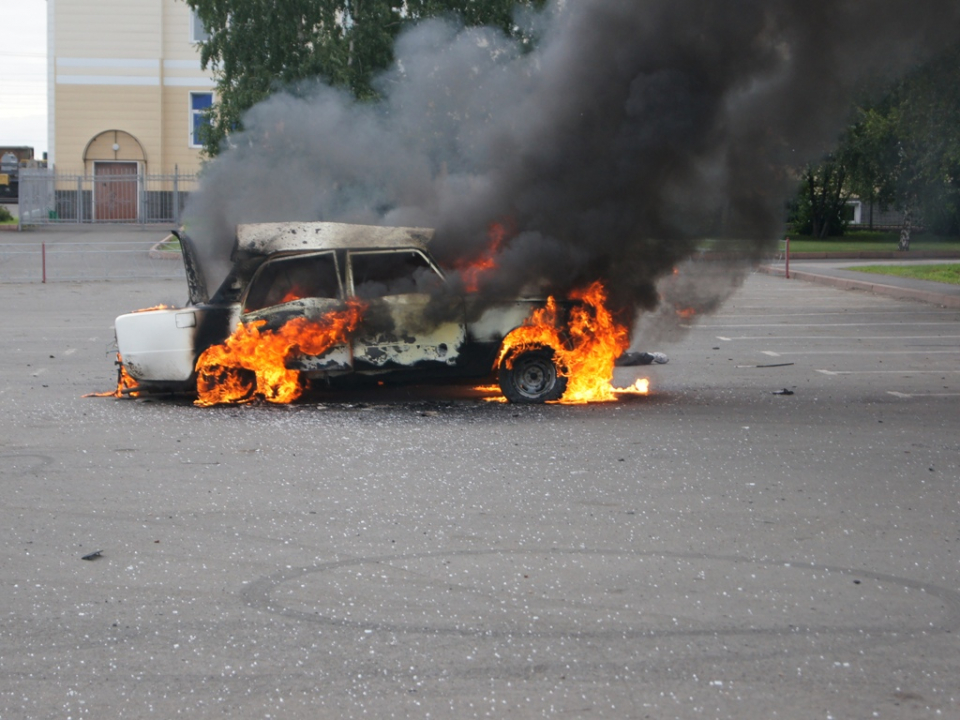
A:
(531, 376)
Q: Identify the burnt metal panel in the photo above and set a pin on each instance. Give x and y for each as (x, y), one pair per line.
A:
(269, 238)
(196, 281)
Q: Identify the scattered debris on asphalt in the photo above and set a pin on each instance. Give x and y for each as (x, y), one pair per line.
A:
(765, 366)
(631, 359)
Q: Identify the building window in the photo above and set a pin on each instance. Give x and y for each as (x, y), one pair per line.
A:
(853, 212)
(199, 103)
(198, 33)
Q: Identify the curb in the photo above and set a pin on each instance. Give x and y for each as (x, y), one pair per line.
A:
(157, 254)
(899, 293)
(878, 255)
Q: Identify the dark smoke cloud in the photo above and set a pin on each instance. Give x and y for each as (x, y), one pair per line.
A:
(636, 129)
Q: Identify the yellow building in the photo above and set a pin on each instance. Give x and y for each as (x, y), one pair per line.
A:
(125, 87)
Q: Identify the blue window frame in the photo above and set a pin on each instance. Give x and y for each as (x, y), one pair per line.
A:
(199, 103)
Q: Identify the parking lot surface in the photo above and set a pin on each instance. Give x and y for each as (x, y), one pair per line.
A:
(773, 532)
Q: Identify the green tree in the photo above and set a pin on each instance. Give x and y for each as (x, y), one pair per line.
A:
(901, 150)
(257, 47)
(869, 148)
(923, 113)
(493, 13)
(823, 195)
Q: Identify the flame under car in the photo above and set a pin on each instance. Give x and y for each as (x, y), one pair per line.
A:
(413, 327)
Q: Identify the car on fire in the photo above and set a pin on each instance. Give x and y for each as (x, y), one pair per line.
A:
(417, 326)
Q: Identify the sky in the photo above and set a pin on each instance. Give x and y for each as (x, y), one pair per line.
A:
(23, 74)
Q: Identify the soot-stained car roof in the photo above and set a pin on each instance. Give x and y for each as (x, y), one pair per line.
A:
(269, 238)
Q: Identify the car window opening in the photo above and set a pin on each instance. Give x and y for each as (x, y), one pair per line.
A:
(392, 273)
(283, 281)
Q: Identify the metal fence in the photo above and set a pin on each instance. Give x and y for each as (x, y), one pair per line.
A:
(52, 262)
(48, 198)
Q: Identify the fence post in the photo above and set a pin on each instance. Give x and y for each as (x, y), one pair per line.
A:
(79, 198)
(786, 255)
(43, 260)
(176, 194)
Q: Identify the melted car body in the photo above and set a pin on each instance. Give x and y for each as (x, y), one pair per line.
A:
(415, 326)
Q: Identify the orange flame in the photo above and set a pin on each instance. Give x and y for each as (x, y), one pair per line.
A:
(471, 272)
(686, 313)
(155, 307)
(252, 363)
(294, 293)
(587, 357)
(126, 385)
(490, 393)
(640, 387)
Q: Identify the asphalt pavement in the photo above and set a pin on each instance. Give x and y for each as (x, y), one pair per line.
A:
(72, 252)
(773, 532)
(86, 233)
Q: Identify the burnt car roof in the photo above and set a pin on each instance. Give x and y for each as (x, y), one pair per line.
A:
(256, 242)
(268, 238)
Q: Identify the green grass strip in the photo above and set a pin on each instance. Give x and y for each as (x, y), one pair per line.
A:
(852, 246)
(947, 273)
(866, 241)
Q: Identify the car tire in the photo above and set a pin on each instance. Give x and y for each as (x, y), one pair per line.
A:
(532, 376)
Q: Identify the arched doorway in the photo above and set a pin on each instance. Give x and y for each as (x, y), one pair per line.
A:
(117, 160)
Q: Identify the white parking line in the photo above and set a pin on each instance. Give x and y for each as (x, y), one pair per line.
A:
(920, 395)
(771, 353)
(869, 352)
(712, 328)
(60, 329)
(845, 313)
(844, 339)
(888, 372)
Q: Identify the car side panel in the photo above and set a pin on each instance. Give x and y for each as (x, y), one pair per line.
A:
(337, 359)
(495, 322)
(400, 334)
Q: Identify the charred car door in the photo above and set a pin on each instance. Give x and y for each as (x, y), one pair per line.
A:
(411, 320)
(299, 286)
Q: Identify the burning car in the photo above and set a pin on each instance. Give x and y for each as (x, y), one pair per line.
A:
(318, 300)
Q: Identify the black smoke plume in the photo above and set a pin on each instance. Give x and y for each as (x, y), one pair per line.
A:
(632, 133)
